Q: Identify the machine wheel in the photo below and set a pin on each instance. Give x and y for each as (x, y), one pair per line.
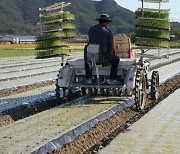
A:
(57, 90)
(154, 85)
(84, 91)
(63, 94)
(90, 91)
(140, 89)
(147, 81)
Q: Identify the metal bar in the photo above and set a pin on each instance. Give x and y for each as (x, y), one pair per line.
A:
(51, 6)
(155, 10)
(53, 14)
(81, 85)
(57, 7)
(142, 49)
(51, 22)
(153, 19)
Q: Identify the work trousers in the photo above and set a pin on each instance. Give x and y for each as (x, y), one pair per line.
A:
(113, 59)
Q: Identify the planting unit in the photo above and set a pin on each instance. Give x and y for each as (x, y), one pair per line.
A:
(57, 26)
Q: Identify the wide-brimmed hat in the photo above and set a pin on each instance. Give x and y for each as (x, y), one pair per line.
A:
(104, 17)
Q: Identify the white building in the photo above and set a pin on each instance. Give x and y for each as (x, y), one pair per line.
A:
(16, 39)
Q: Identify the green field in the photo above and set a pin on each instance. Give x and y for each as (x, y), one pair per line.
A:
(17, 52)
(32, 52)
(27, 52)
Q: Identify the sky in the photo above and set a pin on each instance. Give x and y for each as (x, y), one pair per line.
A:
(173, 5)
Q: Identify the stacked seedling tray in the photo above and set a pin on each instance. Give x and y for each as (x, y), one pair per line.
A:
(57, 27)
(152, 27)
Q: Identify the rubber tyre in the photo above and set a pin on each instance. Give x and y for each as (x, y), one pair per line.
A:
(140, 90)
(155, 85)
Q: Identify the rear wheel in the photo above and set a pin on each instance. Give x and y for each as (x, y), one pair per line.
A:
(154, 85)
(140, 90)
(57, 90)
(63, 94)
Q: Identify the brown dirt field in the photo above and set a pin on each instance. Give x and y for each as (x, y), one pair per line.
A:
(5, 120)
(17, 46)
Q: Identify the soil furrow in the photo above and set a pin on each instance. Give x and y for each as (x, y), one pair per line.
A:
(99, 136)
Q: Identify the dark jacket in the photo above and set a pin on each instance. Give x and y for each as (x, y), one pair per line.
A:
(99, 34)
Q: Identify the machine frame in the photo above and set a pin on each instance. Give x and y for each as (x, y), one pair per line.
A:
(132, 74)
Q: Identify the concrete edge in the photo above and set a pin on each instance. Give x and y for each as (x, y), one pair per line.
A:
(165, 62)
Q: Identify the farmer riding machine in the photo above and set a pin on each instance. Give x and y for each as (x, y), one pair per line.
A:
(132, 75)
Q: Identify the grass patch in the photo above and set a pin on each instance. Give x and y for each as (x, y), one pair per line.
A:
(17, 52)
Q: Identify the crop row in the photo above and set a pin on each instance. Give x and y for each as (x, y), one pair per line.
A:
(64, 16)
(5, 71)
(25, 63)
(28, 75)
(152, 14)
(153, 23)
(152, 43)
(148, 33)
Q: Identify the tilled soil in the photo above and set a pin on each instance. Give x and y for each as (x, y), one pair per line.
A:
(5, 120)
(99, 136)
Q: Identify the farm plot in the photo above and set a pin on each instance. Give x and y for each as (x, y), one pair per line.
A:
(27, 66)
(43, 127)
(32, 74)
(23, 70)
(40, 128)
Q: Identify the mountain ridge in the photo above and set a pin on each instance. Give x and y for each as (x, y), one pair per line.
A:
(21, 16)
